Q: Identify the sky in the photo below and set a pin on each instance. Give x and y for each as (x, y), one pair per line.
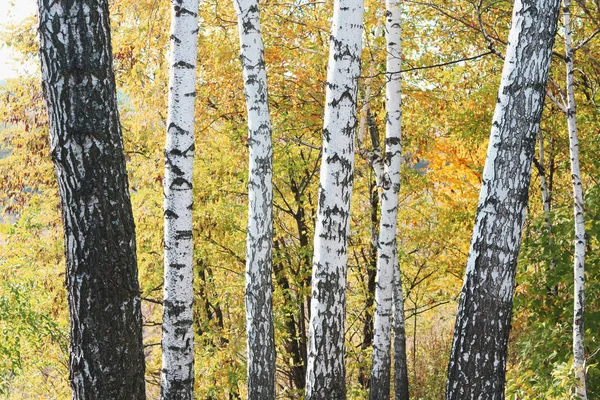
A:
(13, 11)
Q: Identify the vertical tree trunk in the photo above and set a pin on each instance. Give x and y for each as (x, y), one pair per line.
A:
(389, 187)
(106, 358)
(259, 309)
(177, 378)
(400, 366)
(478, 360)
(325, 375)
(579, 259)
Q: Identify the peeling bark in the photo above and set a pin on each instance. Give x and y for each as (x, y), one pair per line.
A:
(177, 377)
(478, 359)
(259, 308)
(325, 375)
(106, 359)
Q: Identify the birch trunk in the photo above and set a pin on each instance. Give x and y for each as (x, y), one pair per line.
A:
(579, 259)
(400, 368)
(259, 310)
(106, 359)
(389, 187)
(325, 376)
(177, 377)
(478, 359)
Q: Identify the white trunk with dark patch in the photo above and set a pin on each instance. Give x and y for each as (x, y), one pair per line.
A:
(579, 259)
(259, 309)
(177, 378)
(389, 187)
(478, 360)
(325, 376)
(106, 357)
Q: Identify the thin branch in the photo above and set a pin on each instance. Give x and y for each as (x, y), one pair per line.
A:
(586, 41)
(151, 300)
(446, 63)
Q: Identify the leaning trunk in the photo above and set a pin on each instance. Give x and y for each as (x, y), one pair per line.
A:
(578, 296)
(106, 359)
(478, 358)
(259, 310)
(389, 187)
(325, 375)
(177, 378)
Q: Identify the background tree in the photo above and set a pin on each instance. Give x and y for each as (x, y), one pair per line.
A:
(106, 355)
(578, 209)
(387, 171)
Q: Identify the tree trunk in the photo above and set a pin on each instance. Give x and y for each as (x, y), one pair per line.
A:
(579, 259)
(389, 187)
(259, 309)
(106, 353)
(400, 366)
(177, 377)
(478, 358)
(547, 204)
(325, 375)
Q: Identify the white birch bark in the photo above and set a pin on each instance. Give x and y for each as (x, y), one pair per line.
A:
(259, 313)
(389, 187)
(325, 376)
(478, 359)
(177, 377)
(579, 259)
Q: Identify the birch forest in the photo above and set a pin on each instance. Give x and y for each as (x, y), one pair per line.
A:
(320, 200)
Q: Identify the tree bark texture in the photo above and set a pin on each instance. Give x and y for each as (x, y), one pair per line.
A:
(578, 209)
(478, 358)
(400, 366)
(259, 310)
(325, 376)
(177, 376)
(389, 187)
(106, 359)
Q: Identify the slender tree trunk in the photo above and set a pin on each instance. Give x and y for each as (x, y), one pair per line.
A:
(579, 259)
(259, 309)
(546, 204)
(400, 365)
(106, 359)
(325, 375)
(177, 378)
(389, 187)
(478, 359)
(370, 260)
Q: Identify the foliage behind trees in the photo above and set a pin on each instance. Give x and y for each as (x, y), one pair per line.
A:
(446, 115)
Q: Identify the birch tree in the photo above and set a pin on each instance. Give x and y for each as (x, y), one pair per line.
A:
(325, 375)
(579, 258)
(177, 377)
(400, 368)
(478, 358)
(106, 359)
(258, 297)
(388, 173)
